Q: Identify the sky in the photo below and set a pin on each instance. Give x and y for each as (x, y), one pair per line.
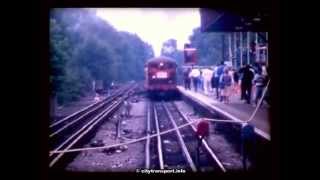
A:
(154, 25)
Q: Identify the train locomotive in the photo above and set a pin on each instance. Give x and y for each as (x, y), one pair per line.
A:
(161, 78)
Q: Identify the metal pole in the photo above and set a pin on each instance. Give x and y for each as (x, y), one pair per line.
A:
(230, 51)
(223, 47)
(248, 47)
(257, 48)
(241, 63)
(267, 50)
(235, 48)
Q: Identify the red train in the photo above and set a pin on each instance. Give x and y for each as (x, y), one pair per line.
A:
(161, 77)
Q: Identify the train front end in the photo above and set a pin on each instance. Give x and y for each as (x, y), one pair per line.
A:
(161, 78)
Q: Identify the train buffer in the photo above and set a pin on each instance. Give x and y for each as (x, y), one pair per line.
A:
(235, 110)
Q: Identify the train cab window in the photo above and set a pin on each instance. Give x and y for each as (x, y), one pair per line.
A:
(153, 65)
(170, 66)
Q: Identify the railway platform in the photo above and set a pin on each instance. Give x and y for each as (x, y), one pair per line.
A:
(235, 110)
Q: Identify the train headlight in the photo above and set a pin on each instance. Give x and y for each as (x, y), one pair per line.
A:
(161, 64)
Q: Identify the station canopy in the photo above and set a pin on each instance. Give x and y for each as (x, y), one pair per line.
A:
(235, 20)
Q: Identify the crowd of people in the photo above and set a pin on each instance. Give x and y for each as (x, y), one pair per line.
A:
(225, 81)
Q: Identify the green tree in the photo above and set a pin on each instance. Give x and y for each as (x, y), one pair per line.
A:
(209, 46)
(84, 48)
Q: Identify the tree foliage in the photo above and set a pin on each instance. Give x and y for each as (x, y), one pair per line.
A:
(84, 48)
(209, 46)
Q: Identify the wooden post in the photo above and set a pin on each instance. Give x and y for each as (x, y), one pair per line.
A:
(241, 63)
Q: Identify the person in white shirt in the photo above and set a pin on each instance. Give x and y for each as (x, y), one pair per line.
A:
(207, 75)
(194, 75)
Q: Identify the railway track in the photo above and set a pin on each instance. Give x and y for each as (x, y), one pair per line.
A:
(76, 129)
(178, 149)
(60, 125)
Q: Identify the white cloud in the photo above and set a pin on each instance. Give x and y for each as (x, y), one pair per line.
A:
(154, 25)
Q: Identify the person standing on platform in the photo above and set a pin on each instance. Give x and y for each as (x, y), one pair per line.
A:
(187, 80)
(235, 77)
(218, 74)
(201, 83)
(207, 75)
(213, 79)
(255, 68)
(240, 82)
(246, 83)
(260, 82)
(265, 73)
(194, 75)
(226, 84)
